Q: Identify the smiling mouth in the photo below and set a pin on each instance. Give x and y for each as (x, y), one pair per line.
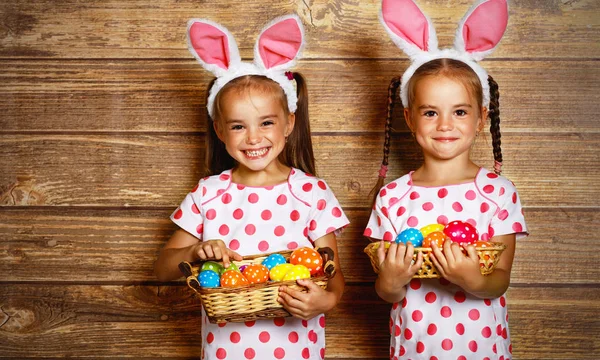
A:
(445, 139)
(255, 154)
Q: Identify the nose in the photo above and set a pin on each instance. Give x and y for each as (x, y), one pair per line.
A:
(445, 122)
(253, 137)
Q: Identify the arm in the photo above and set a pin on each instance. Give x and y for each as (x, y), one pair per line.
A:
(463, 270)
(395, 270)
(316, 300)
(184, 247)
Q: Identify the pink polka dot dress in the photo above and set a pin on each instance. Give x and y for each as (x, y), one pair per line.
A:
(437, 319)
(256, 220)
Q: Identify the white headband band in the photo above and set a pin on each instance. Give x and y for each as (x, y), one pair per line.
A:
(276, 50)
(478, 34)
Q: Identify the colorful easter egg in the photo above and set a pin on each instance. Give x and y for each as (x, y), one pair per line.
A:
(242, 268)
(273, 260)
(209, 279)
(256, 273)
(232, 266)
(461, 232)
(426, 230)
(233, 278)
(297, 272)
(308, 257)
(411, 235)
(436, 237)
(278, 272)
(214, 266)
(482, 244)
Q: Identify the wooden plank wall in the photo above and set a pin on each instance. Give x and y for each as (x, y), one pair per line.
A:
(102, 131)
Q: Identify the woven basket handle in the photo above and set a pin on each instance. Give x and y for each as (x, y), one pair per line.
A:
(327, 255)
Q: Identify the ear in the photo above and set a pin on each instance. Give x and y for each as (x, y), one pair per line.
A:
(212, 45)
(409, 120)
(217, 129)
(482, 27)
(290, 124)
(482, 119)
(279, 43)
(409, 28)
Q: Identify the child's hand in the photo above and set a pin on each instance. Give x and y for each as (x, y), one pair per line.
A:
(306, 305)
(455, 266)
(215, 249)
(396, 267)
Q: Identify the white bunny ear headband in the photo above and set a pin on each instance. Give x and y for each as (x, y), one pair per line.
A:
(276, 50)
(478, 34)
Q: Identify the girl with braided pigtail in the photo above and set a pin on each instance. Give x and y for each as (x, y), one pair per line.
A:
(447, 98)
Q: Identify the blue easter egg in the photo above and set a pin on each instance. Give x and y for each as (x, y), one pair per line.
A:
(273, 260)
(209, 279)
(412, 235)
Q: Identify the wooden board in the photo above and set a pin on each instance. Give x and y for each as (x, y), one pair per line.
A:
(169, 96)
(120, 246)
(158, 170)
(349, 29)
(148, 321)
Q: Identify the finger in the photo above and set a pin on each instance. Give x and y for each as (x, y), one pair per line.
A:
(309, 284)
(457, 251)
(201, 254)
(209, 252)
(437, 264)
(438, 256)
(472, 253)
(234, 255)
(400, 253)
(381, 252)
(417, 265)
(392, 251)
(289, 301)
(408, 255)
(448, 251)
(296, 294)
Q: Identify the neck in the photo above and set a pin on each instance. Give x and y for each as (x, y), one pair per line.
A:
(436, 172)
(272, 175)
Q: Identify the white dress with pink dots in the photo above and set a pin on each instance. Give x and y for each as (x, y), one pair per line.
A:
(256, 220)
(437, 319)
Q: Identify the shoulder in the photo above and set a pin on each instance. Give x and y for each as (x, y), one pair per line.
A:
(305, 186)
(495, 187)
(210, 187)
(393, 192)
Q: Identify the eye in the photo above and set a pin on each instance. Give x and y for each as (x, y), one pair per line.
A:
(461, 112)
(236, 127)
(430, 113)
(268, 122)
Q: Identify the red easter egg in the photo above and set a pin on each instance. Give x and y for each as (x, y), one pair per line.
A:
(233, 278)
(436, 237)
(256, 273)
(461, 232)
(308, 257)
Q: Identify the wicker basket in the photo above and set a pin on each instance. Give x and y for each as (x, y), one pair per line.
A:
(250, 302)
(488, 258)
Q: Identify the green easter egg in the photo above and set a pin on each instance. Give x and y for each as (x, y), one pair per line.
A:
(214, 266)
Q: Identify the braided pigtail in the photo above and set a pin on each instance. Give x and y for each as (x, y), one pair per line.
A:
(494, 115)
(394, 85)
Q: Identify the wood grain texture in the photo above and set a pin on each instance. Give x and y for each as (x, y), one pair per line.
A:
(158, 170)
(137, 29)
(169, 96)
(79, 321)
(117, 245)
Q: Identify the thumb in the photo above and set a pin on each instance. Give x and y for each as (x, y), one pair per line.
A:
(381, 252)
(307, 283)
(234, 255)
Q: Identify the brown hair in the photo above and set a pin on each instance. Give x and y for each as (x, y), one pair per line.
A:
(298, 151)
(456, 70)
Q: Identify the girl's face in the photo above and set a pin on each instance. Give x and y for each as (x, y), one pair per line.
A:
(254, 127)
(444, 117)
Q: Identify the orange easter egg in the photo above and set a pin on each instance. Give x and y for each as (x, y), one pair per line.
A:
(233, 278)
(256, 273)
(308, 257)
(436, 237)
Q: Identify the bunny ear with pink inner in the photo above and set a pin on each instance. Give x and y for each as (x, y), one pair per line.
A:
(482, 27)
(279, 44)
(409, 28)
(212, 45)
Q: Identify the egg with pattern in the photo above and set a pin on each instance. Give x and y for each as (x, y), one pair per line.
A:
(461, 232)
(308, 257)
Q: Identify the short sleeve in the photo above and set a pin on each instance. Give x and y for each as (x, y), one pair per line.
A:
(326, 214)
(509, 218)
(188, 215)
(379, 225)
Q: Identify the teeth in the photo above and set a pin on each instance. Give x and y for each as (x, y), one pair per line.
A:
(255, 153)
